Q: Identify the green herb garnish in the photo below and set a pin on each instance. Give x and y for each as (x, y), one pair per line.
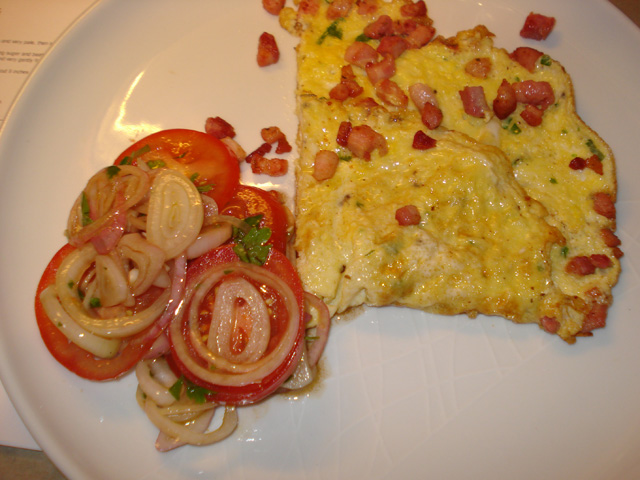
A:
(553, 180)
(252, 246)
(95, 302)
(362, 38)
(201, 188)
(112, 171)
(194, 392)
(128, 160)
(204, 188)
(595, 150)
(546, 60)
(84, 207)
(176, 388)
(515, 129)
(153, 164)
(564, 251)
(332, 30)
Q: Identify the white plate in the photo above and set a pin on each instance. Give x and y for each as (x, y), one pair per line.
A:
(405, 394)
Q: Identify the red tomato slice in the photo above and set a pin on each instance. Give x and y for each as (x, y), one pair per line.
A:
(197, 154)
(74, 358)
(277, 263)
(249, 201)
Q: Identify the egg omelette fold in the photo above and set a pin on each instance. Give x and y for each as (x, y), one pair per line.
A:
(507, 224)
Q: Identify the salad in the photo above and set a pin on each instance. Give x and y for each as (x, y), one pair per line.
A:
(177, 271)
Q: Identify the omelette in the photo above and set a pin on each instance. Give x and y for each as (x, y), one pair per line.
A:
(511, 195)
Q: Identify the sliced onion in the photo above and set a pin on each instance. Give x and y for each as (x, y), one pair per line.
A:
(209, 238)
(133, 184)
(200, 424)
(69, 274)
(228, 316)
(233, 221)
(321, 323)
(111, 281)
(302, 376)
(210, 208)
(183, 433)
(240, 373)
(234, 147)
(175, 212)
(148, 259)
(98, 346)
(178, 279)
(160, 347)
(153, 389)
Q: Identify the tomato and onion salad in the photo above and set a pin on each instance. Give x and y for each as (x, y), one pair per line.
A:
(129, 284)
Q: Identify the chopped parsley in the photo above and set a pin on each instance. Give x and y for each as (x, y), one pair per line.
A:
(546, 60)
(95, 302)
(195, 392)
(128, 160)
(332, 30)
(153, 164)
(362, 38)
(553, 180)
(112, 171)
(564, 251)
(511, 125)
(84, 207)
(201, 188)
(595, 150)
(205, 188)
(252, 246)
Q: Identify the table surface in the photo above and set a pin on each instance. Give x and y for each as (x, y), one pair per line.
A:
(19, 464)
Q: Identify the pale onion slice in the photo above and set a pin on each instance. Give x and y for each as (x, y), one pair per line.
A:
(175, 212)
(200, 424)
(148, 259)
(67, 278)
(229, 316)
(111, 281)
(319, 325)
(182, 433)
(234, 147)
(162, 373)
(241, 374)
(153, 389)
(209, 238)
(210, 209)
(302, 376)
(182, 412)
(98, 346)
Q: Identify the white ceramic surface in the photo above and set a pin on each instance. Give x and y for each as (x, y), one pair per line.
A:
(404, 394)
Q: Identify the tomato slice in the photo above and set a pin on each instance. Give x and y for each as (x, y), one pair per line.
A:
(198, 155)
(276, 263)
(249, 201)
(71, 356)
